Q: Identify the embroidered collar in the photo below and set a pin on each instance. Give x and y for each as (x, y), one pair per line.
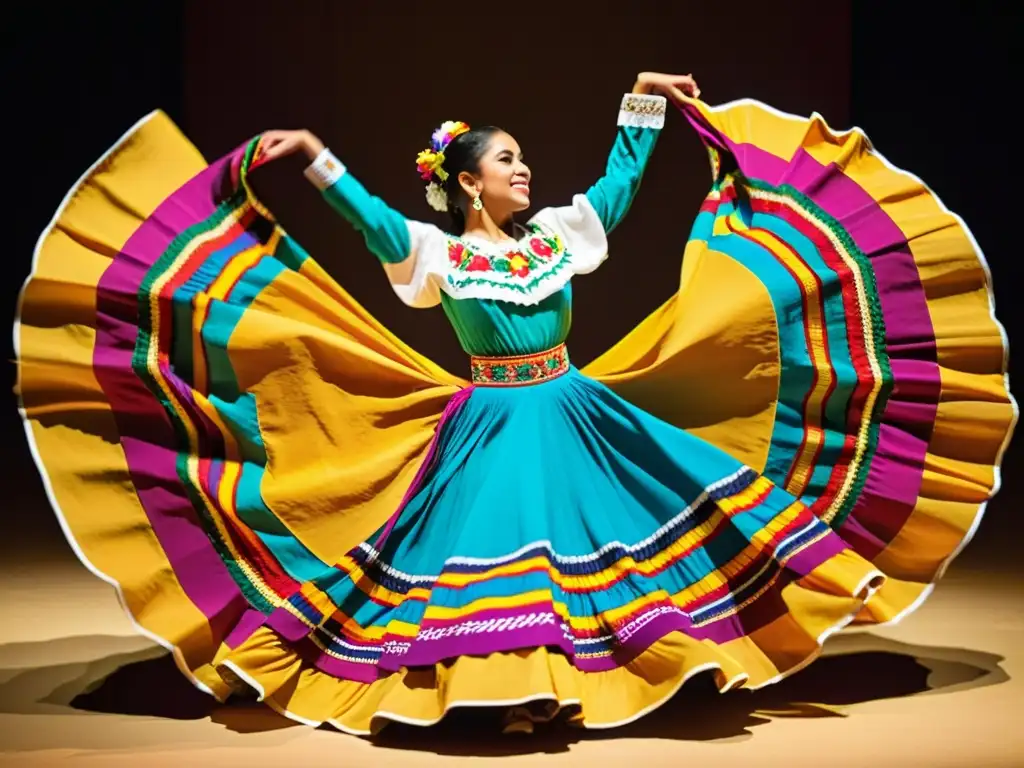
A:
(513, 265)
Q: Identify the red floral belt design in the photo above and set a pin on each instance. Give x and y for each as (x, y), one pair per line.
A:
(521, 369)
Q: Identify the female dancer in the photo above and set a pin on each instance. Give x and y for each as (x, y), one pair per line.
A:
(297, 503)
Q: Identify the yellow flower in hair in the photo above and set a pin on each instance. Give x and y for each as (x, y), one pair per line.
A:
(429, 162)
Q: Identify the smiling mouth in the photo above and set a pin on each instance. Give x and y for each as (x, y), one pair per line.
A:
(522, 187)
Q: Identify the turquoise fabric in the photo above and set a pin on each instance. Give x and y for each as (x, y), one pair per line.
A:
(499, 486)
(498, 329)
(557, 470)
(613, 193)
(386, 233)
(382, 227)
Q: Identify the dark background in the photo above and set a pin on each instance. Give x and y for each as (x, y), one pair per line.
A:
(933, 91)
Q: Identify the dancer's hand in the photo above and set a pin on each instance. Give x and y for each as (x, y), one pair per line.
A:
(277, 144)
(674, 87)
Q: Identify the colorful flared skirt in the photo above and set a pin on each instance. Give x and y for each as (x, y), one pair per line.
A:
(293, 501)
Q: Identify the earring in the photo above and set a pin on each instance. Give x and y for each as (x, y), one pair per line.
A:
(478, 204)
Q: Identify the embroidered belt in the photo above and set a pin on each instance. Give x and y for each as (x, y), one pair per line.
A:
(521, 369)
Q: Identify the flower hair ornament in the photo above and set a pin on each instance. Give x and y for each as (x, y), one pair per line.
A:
(430, 163)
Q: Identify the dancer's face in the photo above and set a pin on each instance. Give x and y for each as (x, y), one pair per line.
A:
(504, 179)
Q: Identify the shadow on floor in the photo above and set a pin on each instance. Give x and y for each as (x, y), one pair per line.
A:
(125, 676)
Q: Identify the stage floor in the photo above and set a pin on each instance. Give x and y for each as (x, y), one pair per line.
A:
(944, 688)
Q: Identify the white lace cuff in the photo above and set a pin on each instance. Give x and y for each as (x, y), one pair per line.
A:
(643, 110)
(325, 170)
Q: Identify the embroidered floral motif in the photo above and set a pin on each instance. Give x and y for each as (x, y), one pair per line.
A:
(540, 253)
(457, 253)
(478, 264)
(518, 264)
(540, 247)
(525, 369)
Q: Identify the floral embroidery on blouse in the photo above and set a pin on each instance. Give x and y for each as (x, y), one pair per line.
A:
(538, 255)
